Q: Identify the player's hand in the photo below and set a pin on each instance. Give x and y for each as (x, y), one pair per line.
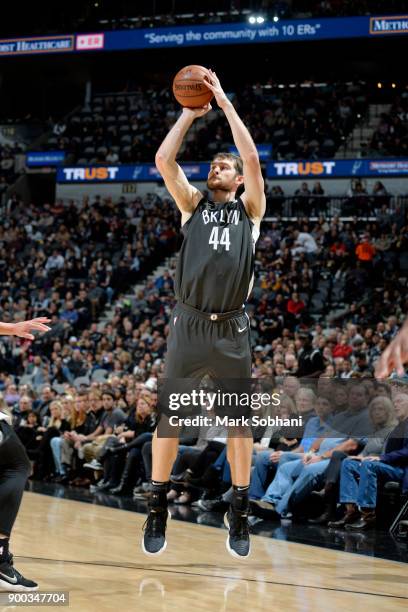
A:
(215, 86)
(23, 329)
(195, 113)
(394, 356)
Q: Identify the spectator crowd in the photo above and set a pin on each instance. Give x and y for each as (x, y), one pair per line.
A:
(83, 396)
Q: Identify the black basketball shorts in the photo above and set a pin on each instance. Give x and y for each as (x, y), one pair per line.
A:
(215, 344)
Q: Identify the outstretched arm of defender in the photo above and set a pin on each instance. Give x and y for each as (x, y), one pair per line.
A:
(185, 195)
(254, 195)
(24, 328)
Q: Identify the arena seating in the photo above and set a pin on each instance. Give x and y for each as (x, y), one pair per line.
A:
(300, 121)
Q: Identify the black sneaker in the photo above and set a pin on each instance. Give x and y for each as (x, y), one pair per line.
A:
(12, 580)
(238, 544)
(154, 537)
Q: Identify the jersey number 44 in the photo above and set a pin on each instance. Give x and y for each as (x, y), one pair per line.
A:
(219, 236)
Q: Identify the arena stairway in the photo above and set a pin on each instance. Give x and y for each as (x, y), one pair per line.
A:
(362, 132)
(107, 315)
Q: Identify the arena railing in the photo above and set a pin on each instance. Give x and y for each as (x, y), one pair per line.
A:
(361, 206)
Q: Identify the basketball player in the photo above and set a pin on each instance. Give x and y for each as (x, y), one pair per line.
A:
(14, 470)
(209, 330)
(395, 355)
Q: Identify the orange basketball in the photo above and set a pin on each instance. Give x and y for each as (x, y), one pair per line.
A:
(189, 87)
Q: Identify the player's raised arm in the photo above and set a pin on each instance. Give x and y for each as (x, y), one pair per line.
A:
(254, 196)
(186, 196)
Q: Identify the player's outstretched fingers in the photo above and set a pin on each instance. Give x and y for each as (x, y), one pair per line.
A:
(40, 320)
(39, 326)
(26, 336)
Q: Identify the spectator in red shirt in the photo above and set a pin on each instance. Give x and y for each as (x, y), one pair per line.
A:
(295, 305)
(338, 248)
(342, 349)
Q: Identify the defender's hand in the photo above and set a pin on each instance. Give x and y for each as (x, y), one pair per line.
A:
(219, 94)
(23, 329)
(195, 113)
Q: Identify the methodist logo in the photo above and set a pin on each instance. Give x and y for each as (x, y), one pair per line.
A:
(304, 168)
(106, 173)
(389, 25)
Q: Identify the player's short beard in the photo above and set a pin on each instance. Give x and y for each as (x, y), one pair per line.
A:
(220, 188)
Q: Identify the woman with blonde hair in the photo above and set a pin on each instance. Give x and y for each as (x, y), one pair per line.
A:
(66, 406)
(45, 465)
(82, 423)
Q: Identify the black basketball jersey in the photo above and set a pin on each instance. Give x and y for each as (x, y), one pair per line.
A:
(216, 260)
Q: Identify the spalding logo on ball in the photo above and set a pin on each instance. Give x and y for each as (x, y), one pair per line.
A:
(189, 87)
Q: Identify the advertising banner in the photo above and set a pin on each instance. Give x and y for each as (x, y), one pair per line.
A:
(274, 169)
(285, 30)
(44, 158)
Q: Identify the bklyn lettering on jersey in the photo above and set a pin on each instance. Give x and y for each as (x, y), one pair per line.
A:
(221, 216)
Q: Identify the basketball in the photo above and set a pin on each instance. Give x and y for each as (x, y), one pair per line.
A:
(189, 87)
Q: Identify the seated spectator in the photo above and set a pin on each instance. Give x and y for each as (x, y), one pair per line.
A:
(122, 459)
(20, 413)
(295, 306)
(266, 462)
(42, 406)
(342, 349)
(381, 411)
(55, 425)
(75, 366)
(93, 443)
(297, 478)
(310, 359)
(360, 477)
(27, 432)
(304, 243)
(83, 422)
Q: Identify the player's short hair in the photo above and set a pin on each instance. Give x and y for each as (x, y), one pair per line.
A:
(237, 161)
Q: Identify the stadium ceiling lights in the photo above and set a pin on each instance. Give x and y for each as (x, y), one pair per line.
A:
(253, 19)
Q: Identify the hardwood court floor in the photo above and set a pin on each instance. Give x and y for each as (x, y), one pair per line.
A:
(94, 553)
